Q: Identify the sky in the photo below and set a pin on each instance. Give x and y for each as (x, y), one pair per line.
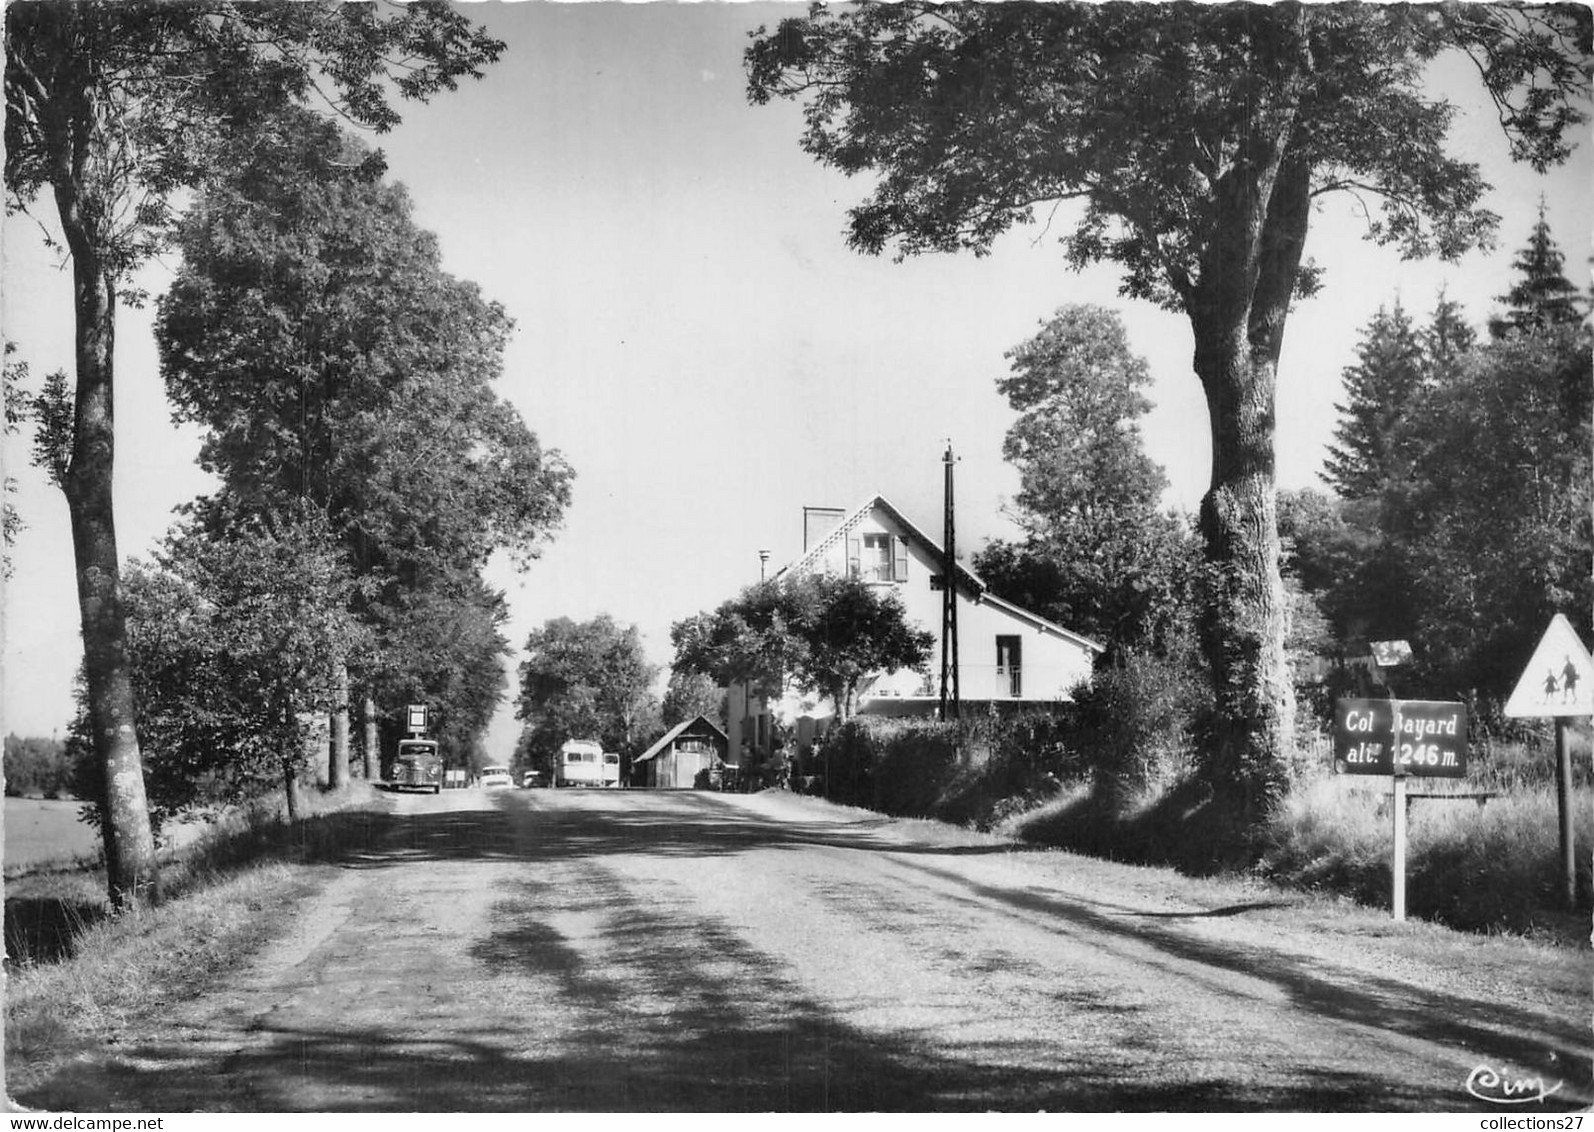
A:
(694, 336)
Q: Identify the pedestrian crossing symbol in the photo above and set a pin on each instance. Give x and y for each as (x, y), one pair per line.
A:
(1559, 680)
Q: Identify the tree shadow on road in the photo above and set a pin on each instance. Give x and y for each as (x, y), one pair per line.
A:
(657, 1007)
(1498, 1034)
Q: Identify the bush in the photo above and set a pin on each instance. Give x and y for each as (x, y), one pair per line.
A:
(976, 771)
(1135, 723)
(37, 766)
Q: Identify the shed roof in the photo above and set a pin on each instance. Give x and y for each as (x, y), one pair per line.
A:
(674, 733)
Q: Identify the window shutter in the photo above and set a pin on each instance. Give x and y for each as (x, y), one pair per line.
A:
(854, 556)
(899, 558)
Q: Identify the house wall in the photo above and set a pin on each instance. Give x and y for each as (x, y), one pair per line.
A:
(1049, 665)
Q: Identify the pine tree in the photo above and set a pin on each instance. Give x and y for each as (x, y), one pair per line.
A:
(1447, 339)
(1381, 388)
(1543, 296)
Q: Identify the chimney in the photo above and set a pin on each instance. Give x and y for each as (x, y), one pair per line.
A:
(819, 522)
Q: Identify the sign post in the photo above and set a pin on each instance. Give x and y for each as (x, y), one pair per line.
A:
(1400, 738)
(1558, 684)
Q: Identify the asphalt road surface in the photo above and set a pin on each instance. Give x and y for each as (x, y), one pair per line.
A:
(550, 950)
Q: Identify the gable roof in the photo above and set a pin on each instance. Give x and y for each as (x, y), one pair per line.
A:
(968, 581)
(673, 733)
(815, 554)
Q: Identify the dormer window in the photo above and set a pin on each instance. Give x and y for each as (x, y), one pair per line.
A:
(878, 557)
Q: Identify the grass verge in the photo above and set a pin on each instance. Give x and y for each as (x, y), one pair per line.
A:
(224, 896)
(1494, 869)
(1491, 868)
(131, 967)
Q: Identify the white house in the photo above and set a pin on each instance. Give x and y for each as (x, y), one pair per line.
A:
(1006, 655)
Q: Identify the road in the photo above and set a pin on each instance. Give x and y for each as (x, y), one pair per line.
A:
(617, 950)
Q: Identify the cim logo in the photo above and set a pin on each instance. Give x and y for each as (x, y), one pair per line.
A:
(1497, 1086)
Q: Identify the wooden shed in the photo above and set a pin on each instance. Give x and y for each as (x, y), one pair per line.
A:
(685, 751)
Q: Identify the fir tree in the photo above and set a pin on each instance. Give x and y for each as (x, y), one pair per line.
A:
(1388, 377)
(1543, 296)
(1447, 339)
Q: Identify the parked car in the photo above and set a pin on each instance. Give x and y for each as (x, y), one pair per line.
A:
(533, 778)
(493, 777)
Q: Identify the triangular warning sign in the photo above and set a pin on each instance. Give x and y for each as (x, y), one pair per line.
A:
(1559, 680)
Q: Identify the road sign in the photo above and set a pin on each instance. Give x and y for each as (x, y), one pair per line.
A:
(1403, 739)
(416, 718)
(1390, 654)
(1559, 680)
(1432, 738)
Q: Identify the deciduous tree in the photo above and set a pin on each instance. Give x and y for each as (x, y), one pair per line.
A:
(586, 680)
(233, 639)
(1197, 138)
(689, 695)
(823, 633)
(112, 109)
(1099, 554)
(313, 333)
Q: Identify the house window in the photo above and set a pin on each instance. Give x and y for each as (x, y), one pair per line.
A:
(878, 558)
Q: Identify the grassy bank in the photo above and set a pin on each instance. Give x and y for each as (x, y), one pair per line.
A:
(1490, 869)
(224, 896)
(1494, 867)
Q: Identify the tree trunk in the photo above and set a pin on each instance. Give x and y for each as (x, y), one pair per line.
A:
(289, 789)
(130, 865)
(373, 761)
(1243, 618)
(1238, 316)
(338, 771)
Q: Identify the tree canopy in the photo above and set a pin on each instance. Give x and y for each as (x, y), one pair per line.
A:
(824, 633)
(1099, 554)
(586, 680)
(312, 331)
(115, 107)
(234, 639)
(332, 362)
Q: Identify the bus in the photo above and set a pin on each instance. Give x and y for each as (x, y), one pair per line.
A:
(583, 762)
(416, 766)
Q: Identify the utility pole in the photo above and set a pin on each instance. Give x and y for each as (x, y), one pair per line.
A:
(949, 605)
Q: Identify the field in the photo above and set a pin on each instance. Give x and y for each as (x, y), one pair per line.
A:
(41, 832)
(45, 834)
